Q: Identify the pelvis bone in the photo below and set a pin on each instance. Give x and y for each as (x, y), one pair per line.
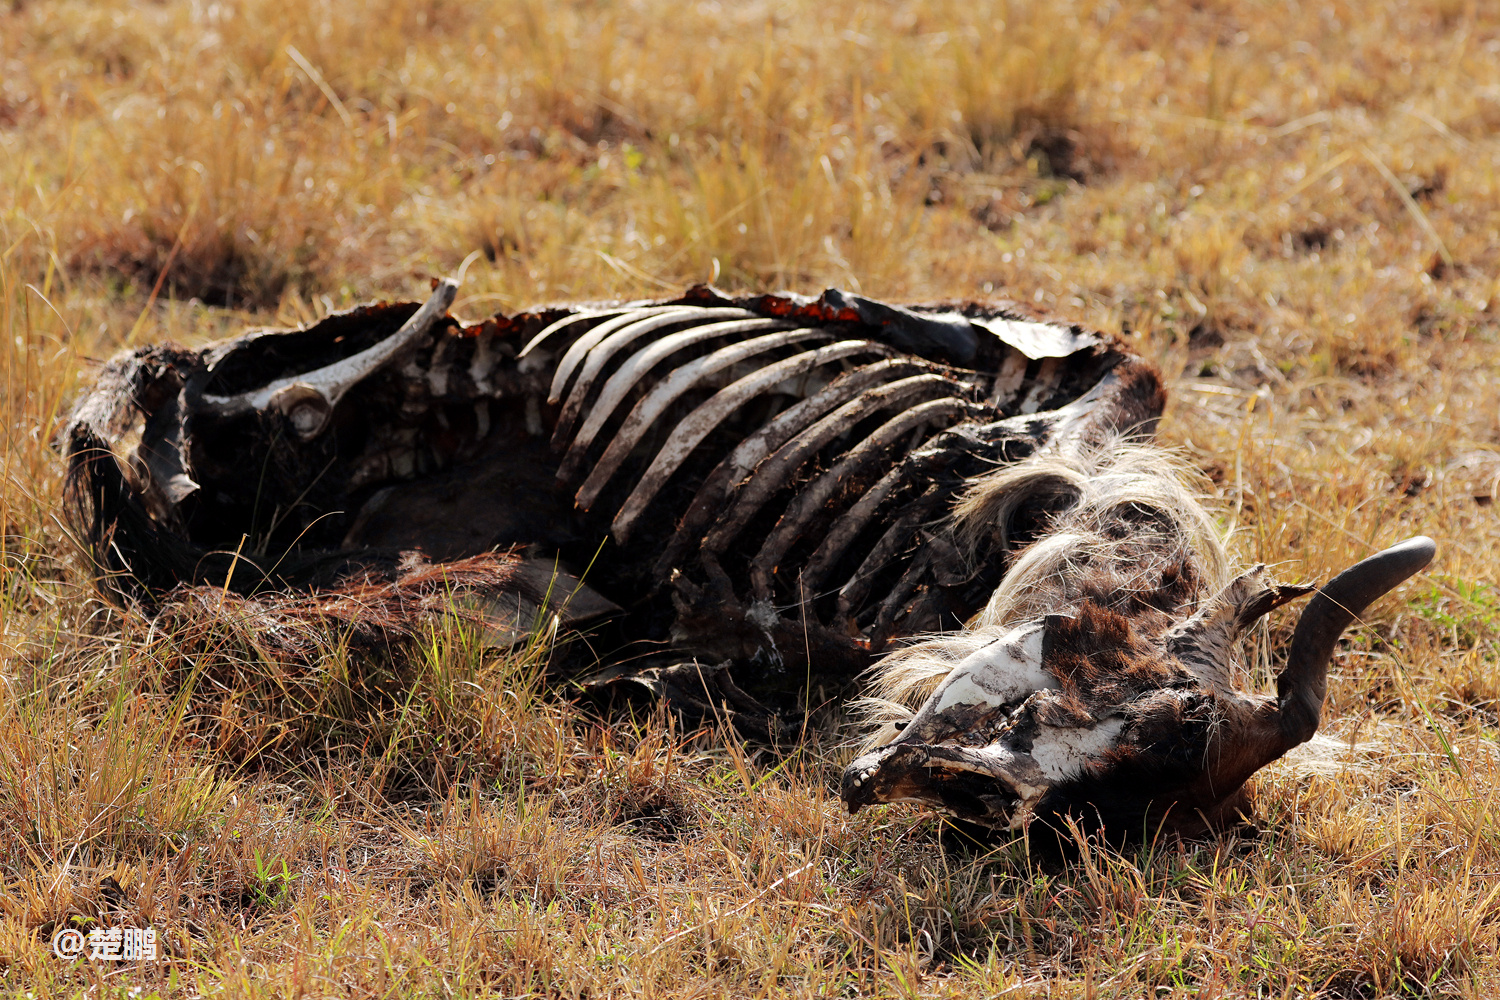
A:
(740, 495)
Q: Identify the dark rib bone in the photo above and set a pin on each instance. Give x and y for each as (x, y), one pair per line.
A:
(635, 369)
(846, 528)
(773, 473)
(557, 326)
(811, 498)
(750, 452)
(693, 428)
(932, 601)
(897, 535)
(904, 588)
(664, 393)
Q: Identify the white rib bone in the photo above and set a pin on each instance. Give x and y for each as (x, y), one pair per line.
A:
(1047, 377)
(696, 426)
(602, 344)
(637, 322)
(557, 326)
(728, 475)
(636, 367)
(773, 473)
(668, 390)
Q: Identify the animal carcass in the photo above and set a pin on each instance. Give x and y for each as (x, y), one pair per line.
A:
(764, 494)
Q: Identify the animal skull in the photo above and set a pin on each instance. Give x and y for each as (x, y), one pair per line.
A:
(1077, 714)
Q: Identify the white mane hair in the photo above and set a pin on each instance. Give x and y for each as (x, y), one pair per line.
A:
(1122, 512)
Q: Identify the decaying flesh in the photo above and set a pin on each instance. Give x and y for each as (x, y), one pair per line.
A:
(759, 491)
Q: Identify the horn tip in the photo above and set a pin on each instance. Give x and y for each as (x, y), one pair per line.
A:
(1414, 554)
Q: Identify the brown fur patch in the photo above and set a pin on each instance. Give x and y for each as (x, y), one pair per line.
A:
(1141, 397)
(1170, 589)
(369, 614)
(1064, 711)
(1099, 657)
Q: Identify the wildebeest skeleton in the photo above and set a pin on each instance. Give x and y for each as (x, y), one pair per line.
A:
(765, 491)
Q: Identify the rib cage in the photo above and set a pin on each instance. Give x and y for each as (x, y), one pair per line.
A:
(861, 448)
(774, 473)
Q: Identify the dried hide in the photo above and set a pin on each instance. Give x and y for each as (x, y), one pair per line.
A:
(744, 498)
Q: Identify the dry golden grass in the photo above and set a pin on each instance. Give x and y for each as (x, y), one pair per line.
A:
(1292, 207)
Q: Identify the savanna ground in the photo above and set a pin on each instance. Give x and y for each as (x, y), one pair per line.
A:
(1293, 207)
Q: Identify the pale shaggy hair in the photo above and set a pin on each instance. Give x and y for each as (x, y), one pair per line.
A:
(1092, 490)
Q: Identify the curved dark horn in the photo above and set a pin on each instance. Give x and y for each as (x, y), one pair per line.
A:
(1301, 686)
